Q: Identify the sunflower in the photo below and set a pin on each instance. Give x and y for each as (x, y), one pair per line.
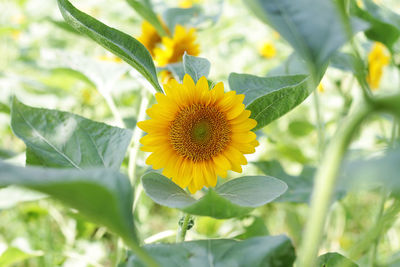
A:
(195, 133)
(174, 48)
(150, 37)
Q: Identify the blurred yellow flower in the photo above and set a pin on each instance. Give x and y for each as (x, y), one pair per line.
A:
(321, 88)
(378, 58)
(173, 48)
(150, 37)
(268, 50)
(188, 3)
(165, 76)
(110, 58)
(196, 133)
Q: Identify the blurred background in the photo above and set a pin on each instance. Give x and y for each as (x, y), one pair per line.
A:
(45, 63)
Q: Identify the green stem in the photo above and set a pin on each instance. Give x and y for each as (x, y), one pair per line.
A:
(320, 124)
(381, 208)
(180, 237)
(325, 181)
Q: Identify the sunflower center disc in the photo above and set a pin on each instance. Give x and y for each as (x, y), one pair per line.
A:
(199, 132)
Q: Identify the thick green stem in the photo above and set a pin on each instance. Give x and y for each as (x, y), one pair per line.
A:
(320, 124)
(325, 181)
(180, 237)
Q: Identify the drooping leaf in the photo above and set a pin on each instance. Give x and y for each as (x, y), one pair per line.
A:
(316, 39)
(61, 139)
(196, 67)
(268, 251)
(334, 260)
(119, 43)
(233, 198)
(384, 23)
(145, 9)
(101, 195)
(269, 98)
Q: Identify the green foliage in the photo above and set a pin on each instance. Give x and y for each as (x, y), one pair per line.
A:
(145, 9)
(119, 43)
(307, 36)
(13, 255)
(60, 139)
(268, 251)
(269, 98)
(196, 67)
(383, 23)
(101, 195)
(334, 260)
(232, 199)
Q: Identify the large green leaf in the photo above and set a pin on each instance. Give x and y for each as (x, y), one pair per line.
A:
(334, 260)
(119, 43)
(312, 27)
(268, 251)
(60, 139)
(233, 198)
(145, 9)
(103, 196)
(13, 255)
(384, 23)
(196, 67)
(269, 98)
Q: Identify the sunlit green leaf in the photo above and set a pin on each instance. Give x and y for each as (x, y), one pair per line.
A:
(268, 251)
(269, 98)
(119, 43)
(103, 196)
(233, 198)
(13, 255)
(196, 67)
(60, 139)
(312, 27)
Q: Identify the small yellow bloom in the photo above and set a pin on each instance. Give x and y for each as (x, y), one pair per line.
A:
(196, 133)
(378, 58)
(321, 88)
(268, 50)
(173, 48)
(110, 58)
(188, 3)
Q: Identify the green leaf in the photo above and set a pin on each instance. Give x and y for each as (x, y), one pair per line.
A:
(233, 198)
(384, 23)
(145, 9)
(256, 228)
(5, 153)
(181, 16)
(381, 171)
(60, 139)
(101, 195)
(13, 255)
(334, 260)
(119, 43)
(316, 39)
(343, 61)
(4, 108)
(11, 196)
(269, 98)
(299, 188)
(268, 251)
(196, 67)
(300, 128)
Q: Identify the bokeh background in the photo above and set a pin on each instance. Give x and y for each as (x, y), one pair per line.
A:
(47, 64)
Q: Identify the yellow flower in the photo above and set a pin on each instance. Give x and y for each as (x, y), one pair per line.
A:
(174, 48)
(110, 58)
(150, 37)
(195, 133)
(321, 88)
(188, 3)
(165, 76)
(378, 58)
(268, 50)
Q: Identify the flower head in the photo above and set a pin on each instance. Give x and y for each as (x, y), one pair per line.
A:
(195, 133)
(174, 48)
(377, 60)
(150, 37)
